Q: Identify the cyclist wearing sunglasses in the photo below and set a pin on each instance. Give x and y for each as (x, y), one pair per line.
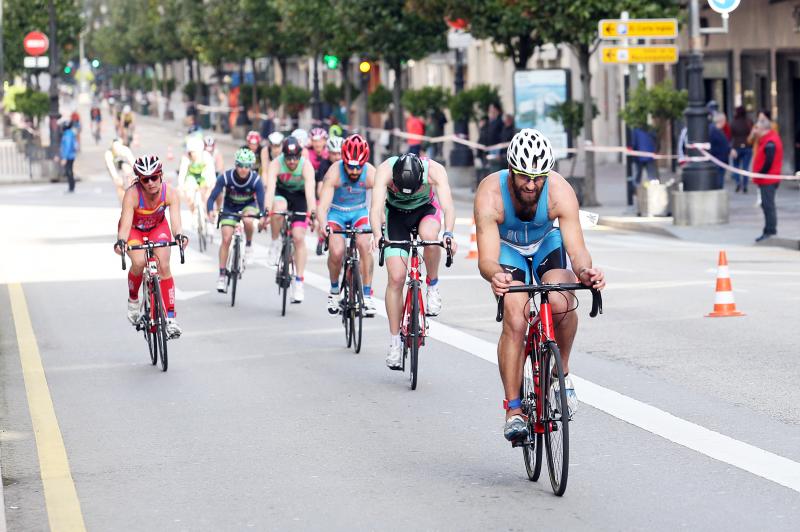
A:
(404, 196)
(518, 244)
(143, 215)
(290, 186)
(244, 192)
(342, 204)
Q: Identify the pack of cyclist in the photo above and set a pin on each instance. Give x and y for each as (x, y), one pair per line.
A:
(322, 182)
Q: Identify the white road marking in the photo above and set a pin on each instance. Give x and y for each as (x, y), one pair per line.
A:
(185, 295)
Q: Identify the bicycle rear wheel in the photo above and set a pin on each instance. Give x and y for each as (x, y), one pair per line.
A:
(234, 272)
(532, 449)
(414, 329)
(357, 308)
(147, 322)
(286, 281)
(161, 326)
(556, 418)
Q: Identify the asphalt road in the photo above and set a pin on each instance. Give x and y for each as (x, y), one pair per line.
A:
(270, 423)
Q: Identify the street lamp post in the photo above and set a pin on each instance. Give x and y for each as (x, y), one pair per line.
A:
(460, 155)
(54, 67)
(697, 174)
(316, 110)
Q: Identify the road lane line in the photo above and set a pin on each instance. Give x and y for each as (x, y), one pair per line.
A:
(61, 498)
(723, 448)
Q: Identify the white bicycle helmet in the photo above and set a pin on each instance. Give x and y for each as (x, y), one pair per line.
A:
(302, 136)
(334, 144)
(147, 165)
(275, 138)
(530, 152)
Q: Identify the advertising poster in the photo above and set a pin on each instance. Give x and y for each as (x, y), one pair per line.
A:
(535, 93)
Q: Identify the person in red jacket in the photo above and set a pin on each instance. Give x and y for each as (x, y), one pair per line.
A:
(768, 160)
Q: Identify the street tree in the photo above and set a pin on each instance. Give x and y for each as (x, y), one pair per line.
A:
(397, 31)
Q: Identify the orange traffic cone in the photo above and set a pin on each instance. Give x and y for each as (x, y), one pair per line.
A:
(170, 155)
(473, 242)
(724, 306)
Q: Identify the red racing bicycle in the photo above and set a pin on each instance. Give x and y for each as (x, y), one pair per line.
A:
(544, 398)
(414, 326)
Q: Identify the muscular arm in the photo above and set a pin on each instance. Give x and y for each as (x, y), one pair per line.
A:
(112, 169)
(382, 176)
(329, 185)
(260, 195)
(272, 179)
(183, 171)
(310, 187)
(486, 220)
(438, 178)
(174, 204)
(565, 208)
(370, 181)
(126, 217)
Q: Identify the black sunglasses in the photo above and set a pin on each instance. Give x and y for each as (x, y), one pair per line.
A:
(150, 179)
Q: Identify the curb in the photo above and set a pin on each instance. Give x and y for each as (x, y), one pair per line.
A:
(654, 226)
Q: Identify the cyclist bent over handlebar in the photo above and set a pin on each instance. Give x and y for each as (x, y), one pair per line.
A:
(518, 244)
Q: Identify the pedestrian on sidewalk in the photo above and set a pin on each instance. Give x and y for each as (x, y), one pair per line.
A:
(415, 126)
(768, 160)
(68, 150)
(720, 147)
(742, 151)
(643, 140)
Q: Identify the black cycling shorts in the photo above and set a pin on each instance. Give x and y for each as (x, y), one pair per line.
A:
(295, 201)
(399, 224)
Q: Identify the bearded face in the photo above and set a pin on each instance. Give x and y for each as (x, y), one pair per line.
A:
(527, 192)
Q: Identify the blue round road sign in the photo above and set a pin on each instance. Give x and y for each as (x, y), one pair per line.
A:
(723, 6)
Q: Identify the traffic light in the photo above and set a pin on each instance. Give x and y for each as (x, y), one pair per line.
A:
(331, 61)
(365, 67)
(95, 63)
(67, 70)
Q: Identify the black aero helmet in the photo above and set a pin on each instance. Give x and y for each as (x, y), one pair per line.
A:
(291, 147)
(407, 173)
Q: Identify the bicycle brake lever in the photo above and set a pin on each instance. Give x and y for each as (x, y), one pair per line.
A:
(500, 308)
(597, 303)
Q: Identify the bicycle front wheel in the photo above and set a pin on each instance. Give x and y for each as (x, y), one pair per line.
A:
(414, 331)
(286, 280)
(201, 229)
(234, 272)
(556, 417)
(147, 323)
(532, 449)
(161, 326)
(346, 307)
(357, 308)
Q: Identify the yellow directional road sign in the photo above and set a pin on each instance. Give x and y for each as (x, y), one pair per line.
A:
(645, 28)
(639, 54)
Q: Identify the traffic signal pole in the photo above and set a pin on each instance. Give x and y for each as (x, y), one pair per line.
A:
(54, 67)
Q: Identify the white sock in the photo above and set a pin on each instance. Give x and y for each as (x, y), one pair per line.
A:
(395, 339)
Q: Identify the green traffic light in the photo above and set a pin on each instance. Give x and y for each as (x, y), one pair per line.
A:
(95, 63)
(67, 69)
(331, 61)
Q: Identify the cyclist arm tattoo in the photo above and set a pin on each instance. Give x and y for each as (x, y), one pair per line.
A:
(217, 190)
(440, 182)
(126, 218)
(174, 204)
(488, 234)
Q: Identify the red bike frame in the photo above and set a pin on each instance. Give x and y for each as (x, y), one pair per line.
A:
(413, 276)
(540, 331)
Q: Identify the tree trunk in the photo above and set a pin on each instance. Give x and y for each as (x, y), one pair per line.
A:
(190, 62)
(198, 82)
(220, 126)
(397, 93)
(254, 92)
(589, 186)
(525, 50)
(348, 93)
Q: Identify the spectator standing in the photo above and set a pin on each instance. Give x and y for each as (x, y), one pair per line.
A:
(742, 153)
(643, 140)
(268, 125)
(415, 126)
(483, 139)
(720, 147)
(768, 159)
(494, 125)
(68, 151)
(508, 132)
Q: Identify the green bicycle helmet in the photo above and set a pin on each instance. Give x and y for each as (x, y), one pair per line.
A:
(245, 158)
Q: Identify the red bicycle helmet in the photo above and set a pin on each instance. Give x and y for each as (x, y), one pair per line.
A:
(253, 137)
(147, 165)
(355, 150)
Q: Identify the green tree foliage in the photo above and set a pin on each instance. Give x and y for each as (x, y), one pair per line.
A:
(23, 16)
(379, 100)
(473, 103)
(331, 94)
(393, 30)
(295, 99)
(662, 103)
(425, 101)
(570, 115)
(32, 104)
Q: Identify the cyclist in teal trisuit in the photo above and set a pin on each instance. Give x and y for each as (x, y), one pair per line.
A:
(404, 196)
(519, 244)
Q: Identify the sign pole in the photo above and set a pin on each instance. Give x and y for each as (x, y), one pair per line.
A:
(55, 139)
(2, 77)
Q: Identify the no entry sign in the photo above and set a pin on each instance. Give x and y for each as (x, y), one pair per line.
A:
(35, 43)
